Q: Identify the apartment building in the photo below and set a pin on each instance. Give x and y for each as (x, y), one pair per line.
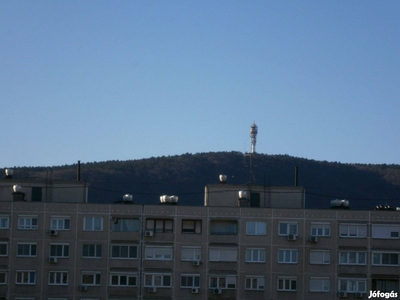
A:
(75, 250)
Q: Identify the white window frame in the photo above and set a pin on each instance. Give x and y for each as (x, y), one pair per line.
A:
(256, 228)
(290, 256)
(353, 230)
(223, 254)
(191, 281)
(381, 255)
(353, 282)
(94, 251)
(93, 223)
(255, 255)
(58, 278)
(320, 229)
(64, 247)
(226, 282)
(5, 245)
(286, 228)
(287, 284)
(28, 222)
(349, 255)
(158, 252)
(320, 284)
(60, 223)
(158, 280)
(25, 277)
(4, 222)
(91, 278)
(385, 231)
(30, 249)
(125, 224)
(121, 251)
(189, 253)
(123, 276)
(325, 256)
(254, 283)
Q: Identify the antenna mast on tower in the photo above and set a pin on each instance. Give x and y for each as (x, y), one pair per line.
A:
(253, 135)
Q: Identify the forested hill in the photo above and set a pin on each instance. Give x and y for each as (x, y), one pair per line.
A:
(186, 175)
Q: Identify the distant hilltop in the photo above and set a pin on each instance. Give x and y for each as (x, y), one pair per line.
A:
(186, 175)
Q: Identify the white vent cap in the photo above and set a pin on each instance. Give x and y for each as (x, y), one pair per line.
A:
(127, 197)
(17, 188)
(243, 194)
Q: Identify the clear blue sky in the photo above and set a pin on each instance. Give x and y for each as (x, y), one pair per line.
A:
(119, 80)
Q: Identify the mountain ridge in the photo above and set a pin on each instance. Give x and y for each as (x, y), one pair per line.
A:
(186, 175)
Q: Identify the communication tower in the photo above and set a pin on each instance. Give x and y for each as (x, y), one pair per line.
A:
(253, 135)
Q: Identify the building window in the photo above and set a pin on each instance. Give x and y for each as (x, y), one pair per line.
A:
(3, 277)
(320, 229)
(123, 279)
(223, 227)
(91, 251)
(59, 250)
(256, 283)
(26, 250)
(388, 231)
(4, 222)
(222, 281)
(28, 222)
(287, 284)
(60, 223)
(191, 226)
(353, 230)
(287, 256)
(385, 284)
(286, 228)
(353, 285)
(25, 277)
(223, 254)
(352, 258)
(3, 249)
(256, 228)
(58, 278)
(255, 255)
(191, 253)
(319, 284)
(124, 251)
(93, 223)
(190, 281)
(125, 225)
(385, 258)
(158, 253)
(159, 225)
(90, 278)
(157, 280)
(320, 257)
(36, 194)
